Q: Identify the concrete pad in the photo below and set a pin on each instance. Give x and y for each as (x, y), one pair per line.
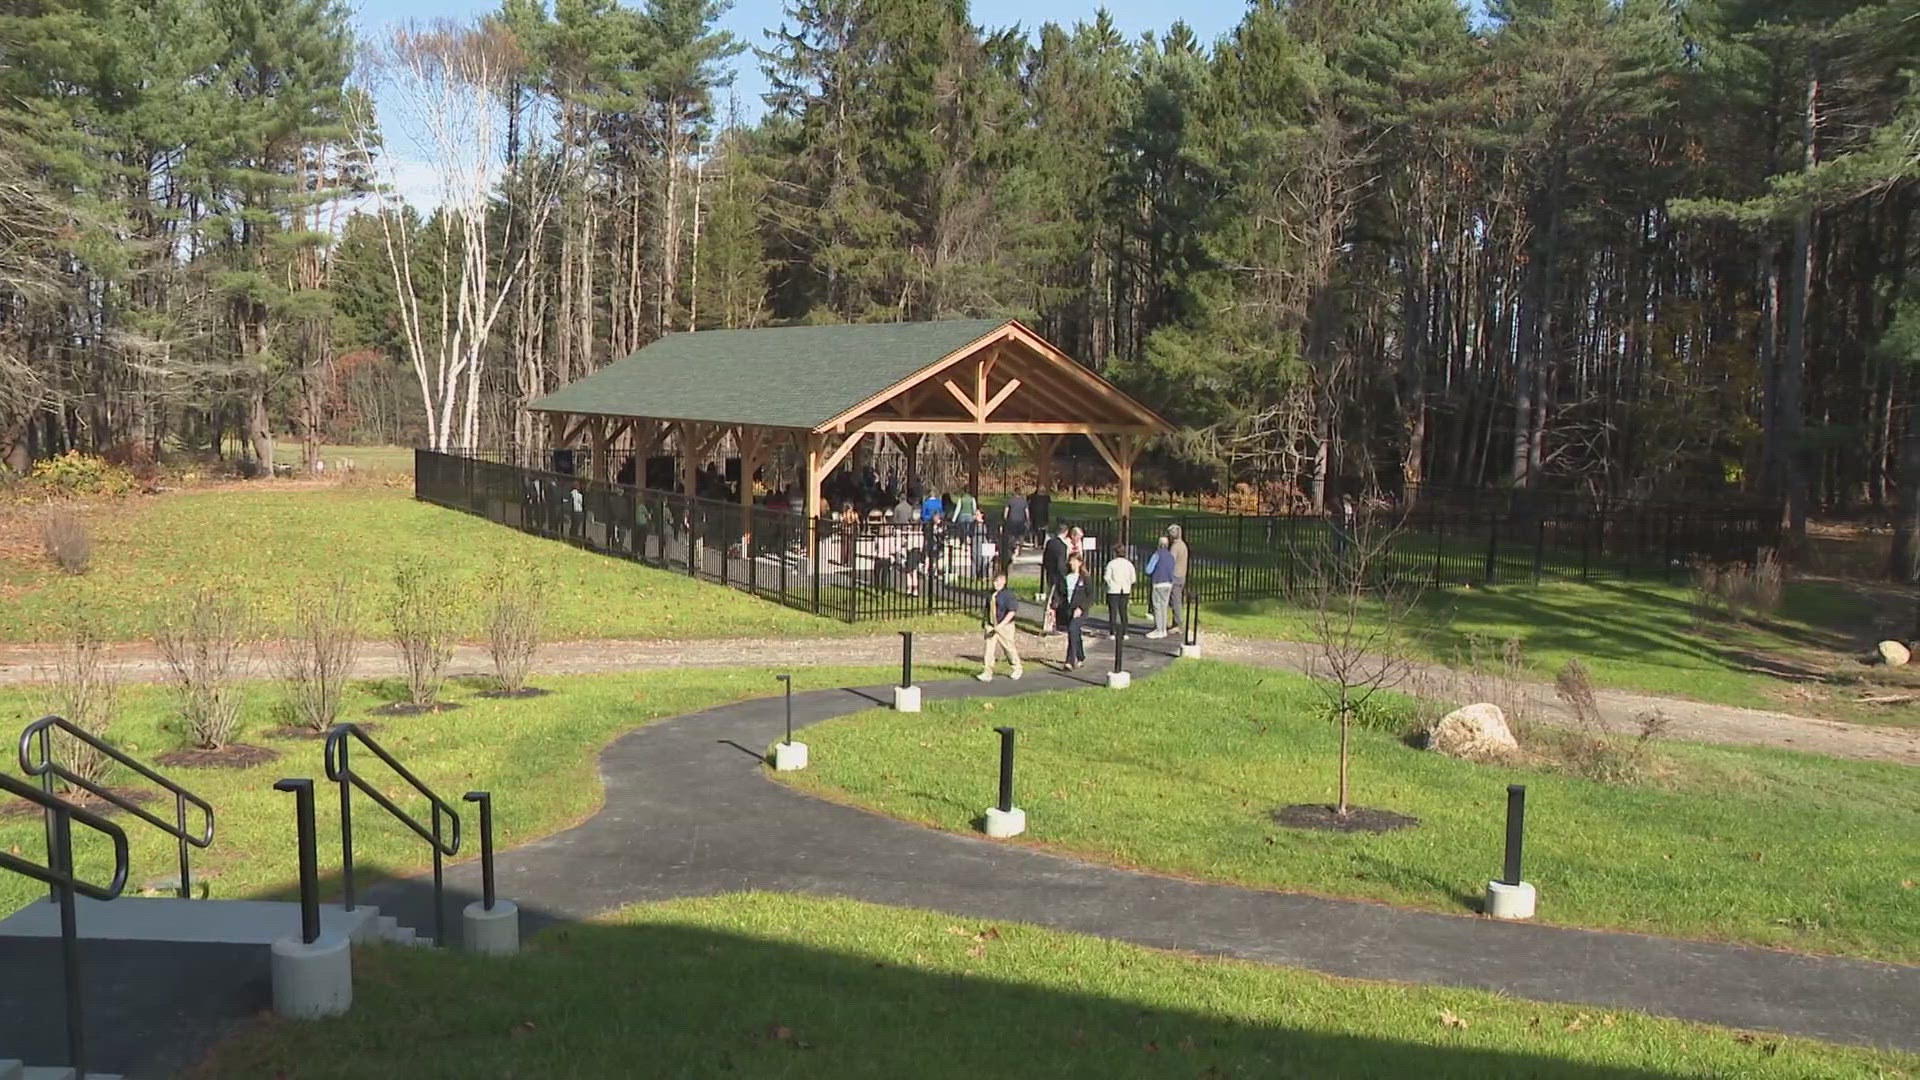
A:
(1191, 652)
(1004, 823)
(220, 922)
(1506, 901)
(789, 756)
(906, 699)
(1119, 680)
(492, 933)
(312, 982)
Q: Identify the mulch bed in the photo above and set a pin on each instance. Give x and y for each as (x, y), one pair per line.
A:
(408, 708)
(523, 692)
(232, 756)
(1357, 819)
(19, 808)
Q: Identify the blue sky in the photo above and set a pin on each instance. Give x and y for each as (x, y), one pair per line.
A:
(749, 18)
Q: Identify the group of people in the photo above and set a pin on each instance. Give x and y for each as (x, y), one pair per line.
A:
(1067, 599)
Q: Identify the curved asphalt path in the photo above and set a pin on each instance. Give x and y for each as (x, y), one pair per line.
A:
(691, 810)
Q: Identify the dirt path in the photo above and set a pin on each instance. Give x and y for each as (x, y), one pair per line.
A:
(1692, 720)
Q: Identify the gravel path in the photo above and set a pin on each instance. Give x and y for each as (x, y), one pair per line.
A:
(1691, 720)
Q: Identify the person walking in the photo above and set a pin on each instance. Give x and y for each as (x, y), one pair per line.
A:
(1053, 569)
(1073, 612)
(965, 510)
(1014, 526)
(930, 506)
(1178, 595)
(1039, 510)
(1160, 582)
(1119, 575)
(1000, 630)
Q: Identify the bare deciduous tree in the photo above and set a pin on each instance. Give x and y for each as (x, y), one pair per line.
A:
(422, 614)
(447, 82)
(516, 597)
(1361, 602)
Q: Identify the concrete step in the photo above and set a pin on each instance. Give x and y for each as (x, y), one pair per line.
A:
(10, 1070)
(225, 922)
(384, 927)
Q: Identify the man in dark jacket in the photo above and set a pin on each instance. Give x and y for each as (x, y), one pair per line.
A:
(1053, 568)
(1039, 510)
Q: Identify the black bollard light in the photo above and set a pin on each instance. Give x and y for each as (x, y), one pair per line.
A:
(306, 843)
(1006, 768)
(1119, 636)
(788, 681)
(906, 659)
(1516, 825)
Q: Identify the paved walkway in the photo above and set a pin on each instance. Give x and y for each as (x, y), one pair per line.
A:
(1692, 720)
(691, 811)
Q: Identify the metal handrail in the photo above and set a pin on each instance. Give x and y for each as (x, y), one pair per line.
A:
(54, 875)
(340, 771)
(49, 770)
(59, 874)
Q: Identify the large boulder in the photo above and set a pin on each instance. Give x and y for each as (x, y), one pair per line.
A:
(1478, 732)
(1893, 654)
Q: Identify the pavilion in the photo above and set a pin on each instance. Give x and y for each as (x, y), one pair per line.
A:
(823, 389)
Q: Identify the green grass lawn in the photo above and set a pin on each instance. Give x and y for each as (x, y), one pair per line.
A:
(1644, 637)
(536, 755)
(268, 544)
(758, 985)
(1179, 775)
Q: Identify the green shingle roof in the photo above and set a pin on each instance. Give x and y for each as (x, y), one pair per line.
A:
(787, 376)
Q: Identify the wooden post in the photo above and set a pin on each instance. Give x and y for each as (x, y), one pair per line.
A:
(689, 457)
(750, 440)
(602, 457)
(910, 446)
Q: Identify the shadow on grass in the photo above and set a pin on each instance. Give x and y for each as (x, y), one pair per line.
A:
(705, 1001)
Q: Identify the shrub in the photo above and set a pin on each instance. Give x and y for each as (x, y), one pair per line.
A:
(204, 642)
(85, 694)
(1734, 590)
(67, 541)
(422, 614)
(517, 603)
(319, 654)
(75, 473)
(1591, 748)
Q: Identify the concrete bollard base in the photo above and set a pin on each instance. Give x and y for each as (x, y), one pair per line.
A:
(906, 699)
(490, 933)
(1506, 901)
(1119, 680)
(789, 756)
(1004, 823)
(312, 982)
(1191, 651)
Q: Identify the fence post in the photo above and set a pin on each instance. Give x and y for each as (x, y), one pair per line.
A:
(1667, 560)
(1493, 548)
(813, 560)
(1239, 554)
(1539, 547)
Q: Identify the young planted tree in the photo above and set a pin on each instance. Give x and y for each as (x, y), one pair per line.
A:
(1361, 601)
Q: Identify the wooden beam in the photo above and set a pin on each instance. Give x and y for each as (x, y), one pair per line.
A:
(966, 402)
(994, 402)
(999, 427)
(840, 452)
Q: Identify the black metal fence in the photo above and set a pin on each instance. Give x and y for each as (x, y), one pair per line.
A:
(874, 569)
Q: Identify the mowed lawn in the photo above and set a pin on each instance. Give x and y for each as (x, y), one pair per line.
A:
(537, 756)
(1181, 772)
(1647, 637)
(757, 985)
(269, 543)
